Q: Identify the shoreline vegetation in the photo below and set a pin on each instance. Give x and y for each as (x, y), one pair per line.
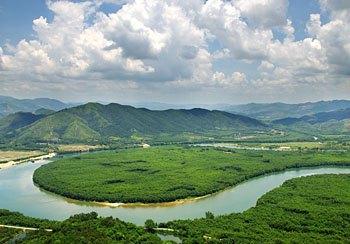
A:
(189, 199)
(311, 209)
(234, 173)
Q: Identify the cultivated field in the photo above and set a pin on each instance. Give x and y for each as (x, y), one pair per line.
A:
(6, 156)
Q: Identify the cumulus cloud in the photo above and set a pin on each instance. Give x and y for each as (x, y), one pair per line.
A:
(335, 5)
(168, 43)
(224, 20)
(67, 48)
(334, 37)
(264, 13)
(235, 79)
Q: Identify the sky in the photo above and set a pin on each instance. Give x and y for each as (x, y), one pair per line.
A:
(176, 51)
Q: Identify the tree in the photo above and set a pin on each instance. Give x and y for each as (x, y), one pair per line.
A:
(150, 225)
(209, 215)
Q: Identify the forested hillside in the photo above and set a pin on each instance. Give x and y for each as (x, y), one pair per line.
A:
(12, 122)
(93, 122)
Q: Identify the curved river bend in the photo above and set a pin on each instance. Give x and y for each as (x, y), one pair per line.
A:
(18, 193)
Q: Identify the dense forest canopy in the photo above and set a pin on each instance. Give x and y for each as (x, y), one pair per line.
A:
(164, 174)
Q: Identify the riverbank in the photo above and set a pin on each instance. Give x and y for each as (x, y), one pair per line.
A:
(152, 205)
(20, 161)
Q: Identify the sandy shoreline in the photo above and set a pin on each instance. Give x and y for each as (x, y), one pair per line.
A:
(145, 205)
(20, 161)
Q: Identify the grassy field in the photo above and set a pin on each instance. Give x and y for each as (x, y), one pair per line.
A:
(6, 156)
(314, 209)
(293, 145)
(78, 148)
(163, 174)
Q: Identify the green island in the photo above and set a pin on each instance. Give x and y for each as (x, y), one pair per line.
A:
(313, 209)
(165, 174)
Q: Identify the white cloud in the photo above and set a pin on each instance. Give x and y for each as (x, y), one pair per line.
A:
(224, 21)
(234, 80)
(337, 5)
(334, 37)
(67, 48)
(264, 13)
(167, 43)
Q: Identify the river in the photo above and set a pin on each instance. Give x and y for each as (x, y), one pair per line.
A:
(18, 193)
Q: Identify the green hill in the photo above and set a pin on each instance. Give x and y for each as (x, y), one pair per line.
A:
(44, 111)
(93, 121)
(12, 122)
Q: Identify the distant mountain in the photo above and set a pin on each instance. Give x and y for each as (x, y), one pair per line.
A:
(335, 122)
(165, 106)
(12, 122)
(9, 105)
(323, 117)
(273, 111)
(95, 121)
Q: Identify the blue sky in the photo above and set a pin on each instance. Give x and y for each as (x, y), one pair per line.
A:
(17, 15)
(222, 59)
(16, 18)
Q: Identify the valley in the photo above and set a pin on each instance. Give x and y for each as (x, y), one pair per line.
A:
(174, 122)
(168, 166)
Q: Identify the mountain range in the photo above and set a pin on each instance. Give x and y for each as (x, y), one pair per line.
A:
(95, 122)
(323, 117)
(334, 122)
(273, 111)
(39, 122)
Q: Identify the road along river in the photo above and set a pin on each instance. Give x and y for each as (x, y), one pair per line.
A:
(18, 193)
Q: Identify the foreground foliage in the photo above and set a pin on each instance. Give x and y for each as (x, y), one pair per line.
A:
(81, 228)
(7, 234)
(18, 219)
(314, 209)
(165, 174)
